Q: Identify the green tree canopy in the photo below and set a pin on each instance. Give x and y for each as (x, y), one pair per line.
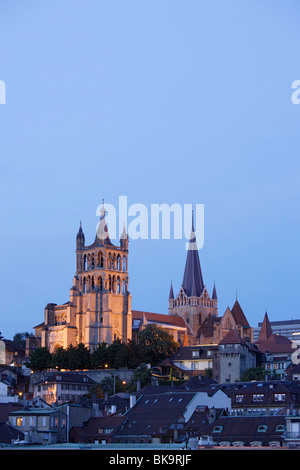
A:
(157, 343)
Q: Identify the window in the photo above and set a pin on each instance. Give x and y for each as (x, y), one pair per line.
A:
(262, 428)
(218, 429)
(279, 396)
(20, 421)
(239, 398)
(195, 353)
(258, 396)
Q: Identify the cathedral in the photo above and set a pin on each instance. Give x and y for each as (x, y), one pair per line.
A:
(200, 310)
(99, 309)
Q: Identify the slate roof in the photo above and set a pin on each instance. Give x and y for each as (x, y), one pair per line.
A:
(247, 429)
(192, 283)
(8, 433)
(96, 429)
(156, 412)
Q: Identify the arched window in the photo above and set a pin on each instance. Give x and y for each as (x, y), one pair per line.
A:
(93, 283)
(84, 262)
(118, 285)
(123, 287)
(119, 263)
(84, 285)
(100, 283)
(109, 283)
(92, 261)
(113, 287)
(100, 259)
(109, 261)
(124, 267)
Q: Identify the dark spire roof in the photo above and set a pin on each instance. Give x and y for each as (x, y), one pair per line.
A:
(171, 294)
(80, 233)
(214, 294)
(239, 315)
(192, 280)
(266, 330)
(102, 235)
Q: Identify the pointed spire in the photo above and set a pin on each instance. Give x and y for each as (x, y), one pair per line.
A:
(80, 240)
(171, 294)
(266, 330)
(214, 294)
(192, 279)
(102, 235)
(185, 340)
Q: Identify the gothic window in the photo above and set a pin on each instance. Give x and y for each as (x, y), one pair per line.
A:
(119, 263)
(93, 284)
(84, 262)
(109, 283)
(100, 283)
(114, 262)
(113, 287)
(84, 284)
(118, 285)
(92, 261)
(123, 287)
(109, 261)
(100, 259)
(124, 267)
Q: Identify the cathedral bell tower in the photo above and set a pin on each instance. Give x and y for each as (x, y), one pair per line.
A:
(104, 301)
(193, 302)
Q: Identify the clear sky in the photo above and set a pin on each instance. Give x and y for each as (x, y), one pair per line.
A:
(175, 101)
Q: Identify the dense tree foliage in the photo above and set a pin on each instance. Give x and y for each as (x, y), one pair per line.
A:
(152, 346)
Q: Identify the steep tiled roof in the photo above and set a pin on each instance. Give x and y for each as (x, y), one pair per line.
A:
(239, 315)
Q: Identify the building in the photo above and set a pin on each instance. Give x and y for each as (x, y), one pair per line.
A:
(278, 350)
(95, 430)
(99, 309)
(61, 387)
(263, 397)
(244, 431)
(288, 328)
(199, 310)
(235, 356)
(160, 414)
(174, 325)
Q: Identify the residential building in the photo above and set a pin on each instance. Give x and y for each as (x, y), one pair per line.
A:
(244, 431)
(193, 360)
(95, 430)
(263, 397)
(278, 350)
(61, 387)
(160, 414)
(40, 425)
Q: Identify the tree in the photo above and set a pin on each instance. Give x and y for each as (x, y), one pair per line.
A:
(78, 357)
(141, 374)
(60, 359)
(40, 359)
(254, 373)
(99, 356)
(157, 343)
(20, 338)
(117, 354)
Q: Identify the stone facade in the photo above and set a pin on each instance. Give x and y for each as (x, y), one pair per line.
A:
(99, 309)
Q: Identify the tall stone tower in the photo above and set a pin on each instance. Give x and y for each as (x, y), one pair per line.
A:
(193, 302)
(99, 309)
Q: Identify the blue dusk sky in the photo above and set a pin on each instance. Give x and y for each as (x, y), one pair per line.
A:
(163, 101)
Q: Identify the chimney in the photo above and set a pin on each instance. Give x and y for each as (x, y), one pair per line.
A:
(132, 400)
